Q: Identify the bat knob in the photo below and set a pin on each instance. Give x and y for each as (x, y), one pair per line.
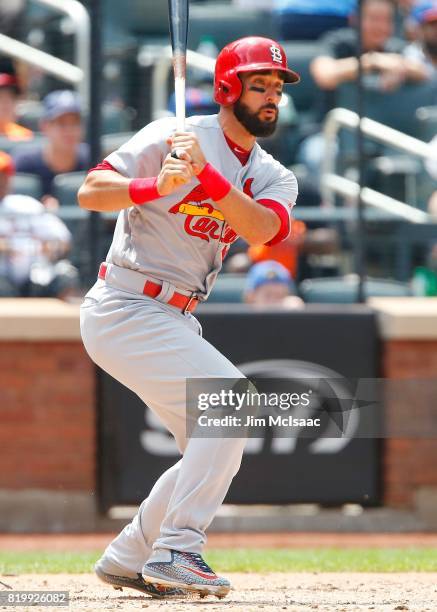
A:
(180, 154)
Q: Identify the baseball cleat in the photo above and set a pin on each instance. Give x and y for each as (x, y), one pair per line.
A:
(133, 581)
(187, 571)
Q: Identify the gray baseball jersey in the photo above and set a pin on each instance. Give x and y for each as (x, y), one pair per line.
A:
(182, 238)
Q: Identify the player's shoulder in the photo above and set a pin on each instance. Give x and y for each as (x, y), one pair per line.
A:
(161, 127)
(266, 164)
(203, 122)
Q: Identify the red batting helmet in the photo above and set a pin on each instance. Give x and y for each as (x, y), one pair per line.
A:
(245, 55)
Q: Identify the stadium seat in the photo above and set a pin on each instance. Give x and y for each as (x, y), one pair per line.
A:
(396, 176)
(228, 288)
(114, 118)
(344, 290)
(306, 94)
(20, 146)
(111, 142)
(146, 17)
(426, 185)
(29, 113)
(396, 109)
(7, 145)
(43, 30)
(7, 289)
(224, 23)
(27, 184)
(426, 117)
(66, 186)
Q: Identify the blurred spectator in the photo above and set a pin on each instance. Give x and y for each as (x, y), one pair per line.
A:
(237, 264)
(9, 94)
(286, 252)
(309, 19)
(424, 50)
(33, 245)
(431, 166)
(385, 67)
(423, 277)
(405, 26)
(431, 162)
(11, 17)
(63, 150)
(269, 283)
(382, 55)
(295, 252)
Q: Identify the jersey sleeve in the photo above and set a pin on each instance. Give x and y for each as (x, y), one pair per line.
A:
(279, 194)
(143, 155)
(103, 165)
(284, 218)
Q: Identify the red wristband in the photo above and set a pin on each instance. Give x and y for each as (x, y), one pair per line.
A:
(214, 183)
(142, 190)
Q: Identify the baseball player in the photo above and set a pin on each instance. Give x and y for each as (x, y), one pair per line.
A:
(178, 218)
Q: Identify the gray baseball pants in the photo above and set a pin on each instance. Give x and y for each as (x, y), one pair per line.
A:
(152, 348)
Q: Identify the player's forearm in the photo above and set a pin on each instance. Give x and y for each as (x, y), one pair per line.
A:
(105, 191)
(254, 222)
(250, 220)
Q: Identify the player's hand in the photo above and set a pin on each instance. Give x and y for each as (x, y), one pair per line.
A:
(174, 173)
(188, 148)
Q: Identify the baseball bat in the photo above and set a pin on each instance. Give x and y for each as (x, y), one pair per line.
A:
(178, 18)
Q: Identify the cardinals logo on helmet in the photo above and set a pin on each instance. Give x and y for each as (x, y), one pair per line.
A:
(276, 54)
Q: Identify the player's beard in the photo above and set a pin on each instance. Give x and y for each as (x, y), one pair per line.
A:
(251, 121)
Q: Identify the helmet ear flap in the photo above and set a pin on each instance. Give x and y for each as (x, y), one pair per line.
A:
(228, 91)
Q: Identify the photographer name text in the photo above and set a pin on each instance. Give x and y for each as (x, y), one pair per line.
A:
(251, 421)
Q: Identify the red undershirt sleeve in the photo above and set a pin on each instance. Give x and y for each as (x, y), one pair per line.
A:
(104, 165)
(284, 218)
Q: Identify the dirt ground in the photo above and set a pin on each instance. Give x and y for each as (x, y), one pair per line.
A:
(252, 593)
(295, 592)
